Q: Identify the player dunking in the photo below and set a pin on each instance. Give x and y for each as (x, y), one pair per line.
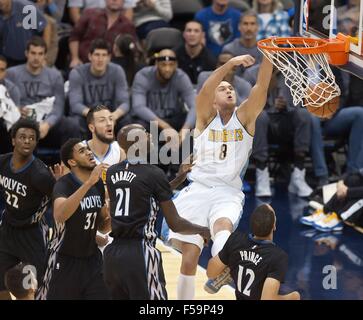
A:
(257, 265)
(132, 264)
(74, 268)
(222, 144)
(27, 184)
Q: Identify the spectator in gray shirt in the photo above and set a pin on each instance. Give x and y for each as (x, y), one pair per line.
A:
(12, 89)
(17, 28)
(247, 43)
(241, 86)
(160, 93)
(37, 85)
(99, 82)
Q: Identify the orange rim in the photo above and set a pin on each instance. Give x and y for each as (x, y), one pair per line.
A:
(337, 49)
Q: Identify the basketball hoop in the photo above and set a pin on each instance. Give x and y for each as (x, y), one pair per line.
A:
(304, 62)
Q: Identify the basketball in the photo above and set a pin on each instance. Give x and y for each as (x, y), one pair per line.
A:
(316, 95)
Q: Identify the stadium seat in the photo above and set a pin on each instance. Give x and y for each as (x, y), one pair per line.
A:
(183, 11)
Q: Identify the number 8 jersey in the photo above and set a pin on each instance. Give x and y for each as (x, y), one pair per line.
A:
(221, 153)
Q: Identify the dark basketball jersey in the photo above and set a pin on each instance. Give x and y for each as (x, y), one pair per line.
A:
(134, 191)
(27, 191)
(251, 262)
(77, 235)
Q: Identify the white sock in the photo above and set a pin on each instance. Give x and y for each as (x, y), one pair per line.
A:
(220, 239)
(186, 287)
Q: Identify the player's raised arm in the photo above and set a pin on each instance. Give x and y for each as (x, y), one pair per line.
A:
(205, 99)
(249, 110)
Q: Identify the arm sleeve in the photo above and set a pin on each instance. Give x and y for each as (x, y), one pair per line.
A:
(58, 107)
(278, 267)
(81, 27)
(163, 8)
(122, 92)
(14, 93)
(139, 100)
(76, 93)
(41, 22)
(162, 190)
(188, 96)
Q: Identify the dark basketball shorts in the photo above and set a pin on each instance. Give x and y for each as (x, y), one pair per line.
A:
(77, 279)
(21, 244)
(133, 270)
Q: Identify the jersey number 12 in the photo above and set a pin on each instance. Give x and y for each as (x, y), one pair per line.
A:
(123, 202)
(251, 277)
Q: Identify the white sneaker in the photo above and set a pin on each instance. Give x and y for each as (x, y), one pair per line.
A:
(298, 184)
(315, 217)
(329, 223)
(263, 188)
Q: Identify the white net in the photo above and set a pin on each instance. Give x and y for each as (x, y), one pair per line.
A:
(309, 77)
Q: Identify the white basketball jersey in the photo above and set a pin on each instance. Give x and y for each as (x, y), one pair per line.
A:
(221, 153)
(112, 155)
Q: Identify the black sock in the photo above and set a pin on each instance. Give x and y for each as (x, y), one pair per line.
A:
(261, 164)
(299, 160)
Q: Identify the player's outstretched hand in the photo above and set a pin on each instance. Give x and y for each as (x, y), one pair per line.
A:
(244, 60)
(57, 170)
(295, 295)
(205, 234)
(96, 174)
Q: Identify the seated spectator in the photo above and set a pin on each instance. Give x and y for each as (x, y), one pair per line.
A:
(160, 92)
(99, 82)
(14, 36)
(284, 124)
(272, 20)
(220, 24)
(151, 14)
(242, 86)
(98, 23)
(15, 278)
(347, 123)
(193, 57)
(345, 206)
(42, 95)
(247, 43)
(10, 91)
(126, 54)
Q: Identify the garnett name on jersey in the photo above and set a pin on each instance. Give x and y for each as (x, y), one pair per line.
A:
(123, 176)
(250, 256)
(13, 185)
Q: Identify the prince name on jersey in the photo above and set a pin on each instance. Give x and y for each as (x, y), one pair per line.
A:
(251, 262)
(80, 229)
(27, 191)
(134, 190)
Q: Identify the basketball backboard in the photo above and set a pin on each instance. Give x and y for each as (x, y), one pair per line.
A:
(325, 18)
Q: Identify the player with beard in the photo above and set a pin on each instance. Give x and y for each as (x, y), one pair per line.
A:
(74, 268)
(27, 185)
(103, 145)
